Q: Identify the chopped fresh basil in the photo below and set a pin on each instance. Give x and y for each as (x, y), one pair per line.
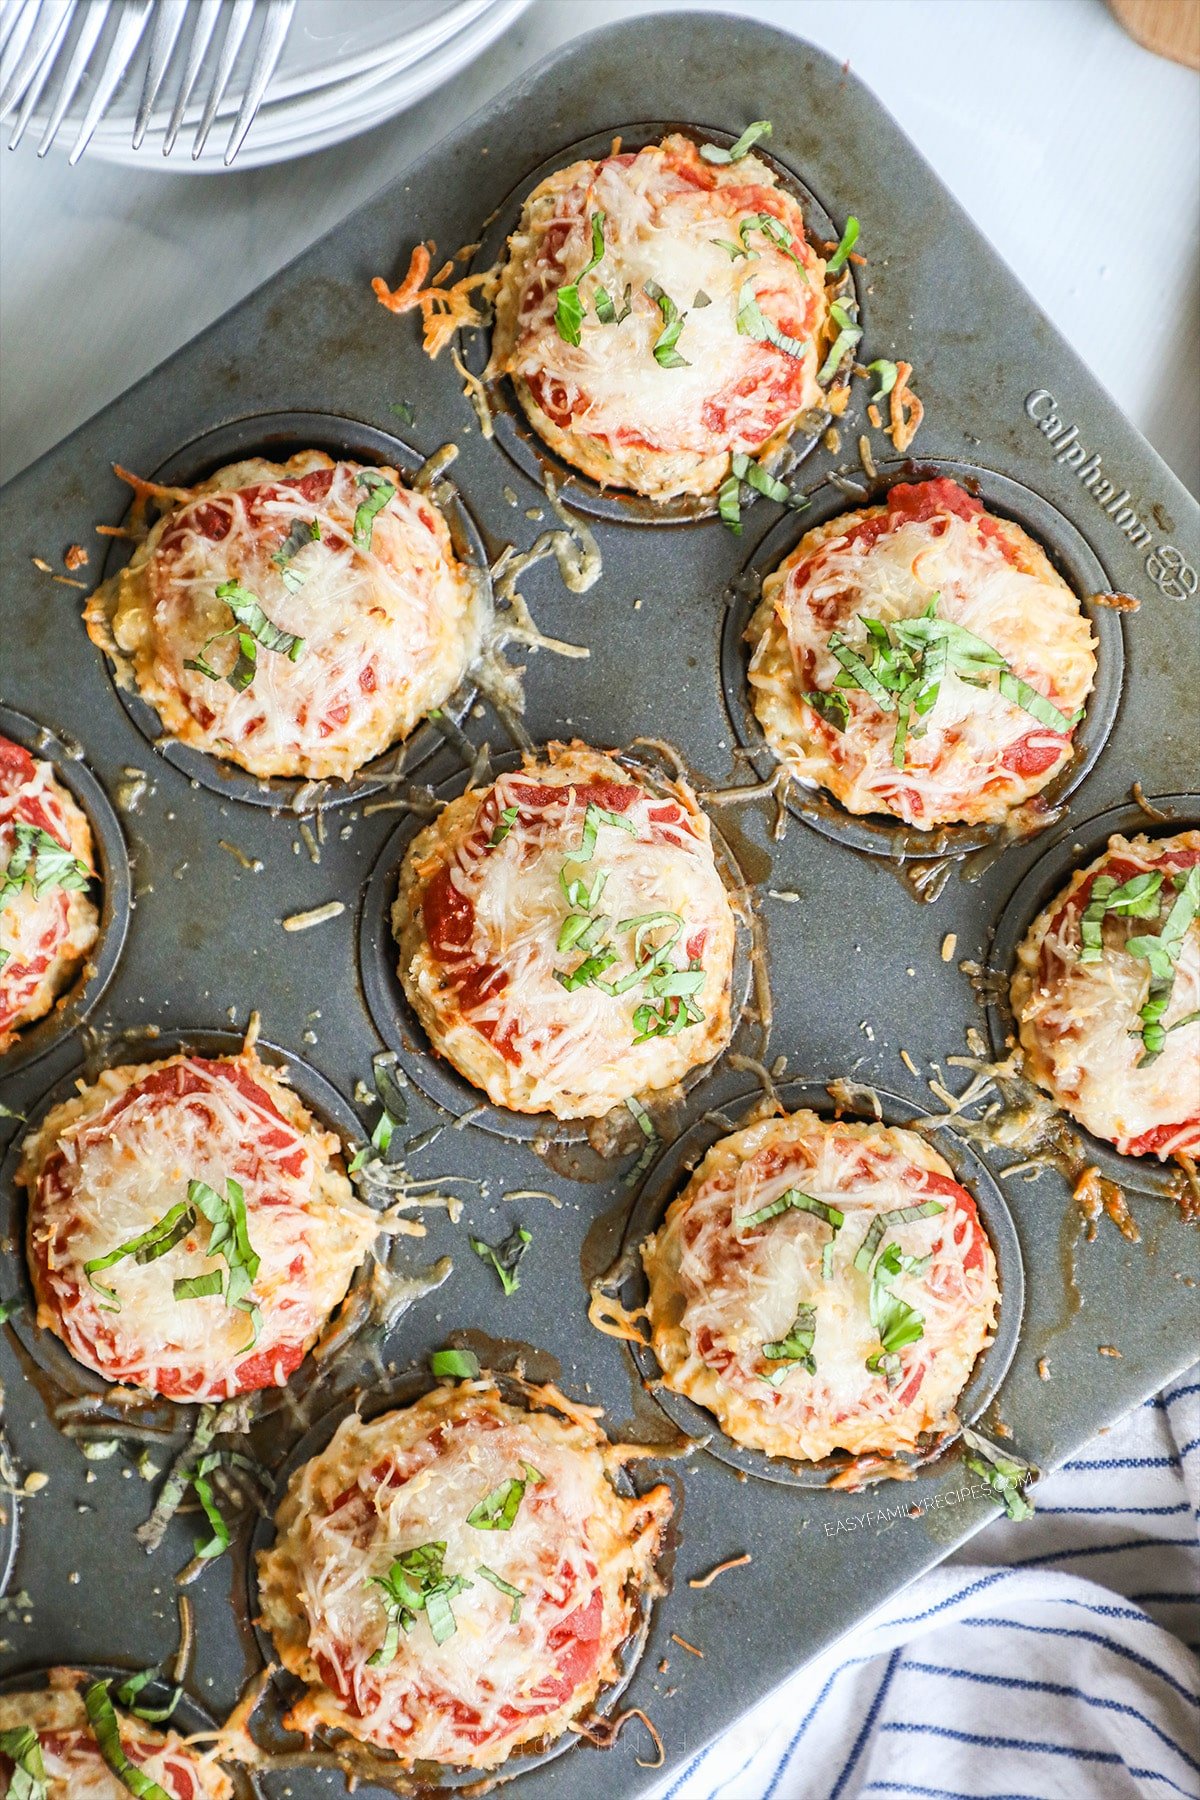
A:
(714, 153)
(841, 255)
(497, 1581)
(794, 1200)
(776, 232)
(417, 1582)
(896, 1215)
(455, 1365)
(379, 492)
(580, 930)
(887, 373)
(302, 531)
(403, 411)
(907, 661)
(129, 1690)
(9, 1307)
(744, 468)
(1137, 898)
(833, 708)
(230, 1239)
(897, 1323)
(150, 1244)
(103, 1720)
(733, 251)
(586, 973)
(827, 1261)
(393, 1111)
(729, 504)
(646, 1126)
(508, 818)
(198, 1287)
(849, 333)
(752, 322)
(593, 819)
(1008, 1474)
(209, 1548)
(1162, 953)
(39, 861)
(251, 628)
(796, 1347)
(568, 309)
(504, 1257)
(23, 1747)
(665, 353)
(606, 310)
(497, 1510)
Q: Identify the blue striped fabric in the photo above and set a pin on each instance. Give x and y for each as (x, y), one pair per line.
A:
(1052, 1658)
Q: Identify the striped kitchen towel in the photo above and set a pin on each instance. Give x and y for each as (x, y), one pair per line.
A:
(1052, 1657)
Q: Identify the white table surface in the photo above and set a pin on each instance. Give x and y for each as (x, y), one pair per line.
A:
(1076, 152)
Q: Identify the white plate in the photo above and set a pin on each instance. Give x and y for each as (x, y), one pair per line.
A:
(331, 83)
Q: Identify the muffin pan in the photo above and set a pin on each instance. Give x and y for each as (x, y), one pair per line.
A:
(859, 971)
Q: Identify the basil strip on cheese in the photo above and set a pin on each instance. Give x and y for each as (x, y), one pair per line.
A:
(150, 1244)
(605, 307)
(794, 1200)
(252, 627)
(665, 353)
(795, 1348)
(905, 663)
(1137, 898)
(508, 818)
(752, 322)
(417, 1582)
(896, 1215)
(505, 1587)
(107, 1732)
(568, 307)
(230, 1239)
(714, 153)
(1162, 952)
(302, 532)
(497, 1511)
(23, 1747)
(379, 492)
(39, 861)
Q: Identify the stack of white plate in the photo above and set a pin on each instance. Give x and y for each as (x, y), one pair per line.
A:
(347, 65)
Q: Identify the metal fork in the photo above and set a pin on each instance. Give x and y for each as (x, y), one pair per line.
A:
(33, 32)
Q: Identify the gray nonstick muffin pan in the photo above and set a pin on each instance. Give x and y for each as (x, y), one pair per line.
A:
(192, 937)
